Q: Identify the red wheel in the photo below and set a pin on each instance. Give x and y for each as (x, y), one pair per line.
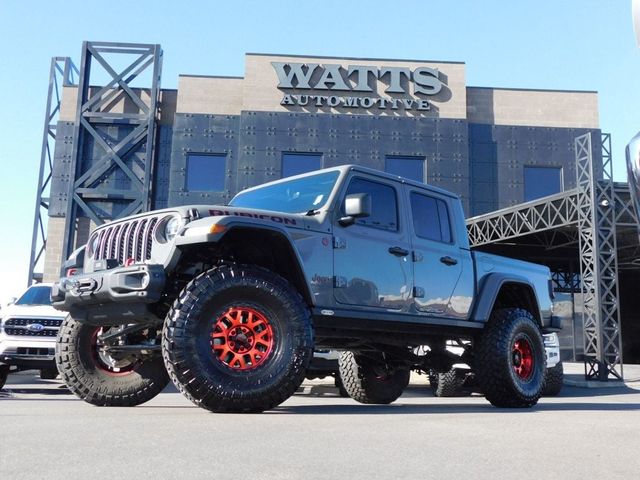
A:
(522, 358)
(238, 339)
(509, 359)
(116, 367)
(242, 338)
(106, 375)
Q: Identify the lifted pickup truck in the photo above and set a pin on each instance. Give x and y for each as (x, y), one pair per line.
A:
(231, 301)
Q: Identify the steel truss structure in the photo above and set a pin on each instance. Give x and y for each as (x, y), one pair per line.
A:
(598, 267)
(63, 73)
(111, 171)
(592, 217)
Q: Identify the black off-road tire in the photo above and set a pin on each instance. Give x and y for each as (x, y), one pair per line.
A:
(503, 376)
(553, 380)
(449, 384)
(365, 385)
(4, 373)
(87, 378)
(49, 373)
(340, 386)
(433, 380)
(204, 356)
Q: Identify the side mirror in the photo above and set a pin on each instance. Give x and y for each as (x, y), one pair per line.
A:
(356, 205)
(12, 300)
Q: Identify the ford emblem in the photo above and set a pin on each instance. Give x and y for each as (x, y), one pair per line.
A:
(35, 327)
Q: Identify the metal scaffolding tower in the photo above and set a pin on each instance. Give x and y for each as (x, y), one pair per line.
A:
(114, 136)
(587, 217)
(598, 266)
(63, 73)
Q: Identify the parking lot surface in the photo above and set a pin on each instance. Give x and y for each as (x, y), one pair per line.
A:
(46, 432)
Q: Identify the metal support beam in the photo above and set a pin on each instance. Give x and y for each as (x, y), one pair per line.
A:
(598, 266)
(62, 73)
(114, 136)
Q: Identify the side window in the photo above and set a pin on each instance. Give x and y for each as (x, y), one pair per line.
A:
(384, 204)
(430, 218)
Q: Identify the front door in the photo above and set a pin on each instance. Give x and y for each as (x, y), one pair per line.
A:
(372, 257)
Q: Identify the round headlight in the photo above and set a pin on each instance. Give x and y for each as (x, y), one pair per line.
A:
(93, 246)
(171, 228)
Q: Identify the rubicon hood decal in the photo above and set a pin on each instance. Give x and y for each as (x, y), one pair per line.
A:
(262, 216)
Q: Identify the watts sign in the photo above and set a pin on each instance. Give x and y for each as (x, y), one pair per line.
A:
(329, 85)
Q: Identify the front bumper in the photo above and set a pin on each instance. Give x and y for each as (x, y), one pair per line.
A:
(27, 354)
(552, 349)
(108, 297)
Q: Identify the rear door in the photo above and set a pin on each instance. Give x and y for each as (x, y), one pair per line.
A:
(372, 257)
(438, 262)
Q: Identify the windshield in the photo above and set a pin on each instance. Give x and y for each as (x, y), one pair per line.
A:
(36, 296)
(300, 195)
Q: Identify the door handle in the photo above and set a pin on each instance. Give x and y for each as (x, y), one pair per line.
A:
(398, 252)
(448, 260)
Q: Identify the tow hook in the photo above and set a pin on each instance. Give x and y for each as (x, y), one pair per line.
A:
(80, 287)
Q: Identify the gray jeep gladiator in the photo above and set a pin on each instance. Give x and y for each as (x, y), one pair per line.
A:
(229, 302)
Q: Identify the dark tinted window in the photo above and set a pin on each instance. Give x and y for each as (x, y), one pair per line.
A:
(297, 163)
(430, 218)
(384, 206)
(541, 181)
(407, 167)
(36, 296)
(205, 173)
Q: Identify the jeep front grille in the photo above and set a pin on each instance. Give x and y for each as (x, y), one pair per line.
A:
(132, 239)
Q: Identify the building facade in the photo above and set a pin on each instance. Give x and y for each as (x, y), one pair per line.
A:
(495, 147)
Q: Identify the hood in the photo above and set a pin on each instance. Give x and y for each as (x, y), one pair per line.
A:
(31, 311)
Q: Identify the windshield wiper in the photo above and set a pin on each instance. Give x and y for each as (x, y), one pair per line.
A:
(312, 212)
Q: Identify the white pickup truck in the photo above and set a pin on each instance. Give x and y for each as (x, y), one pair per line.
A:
(28, 331)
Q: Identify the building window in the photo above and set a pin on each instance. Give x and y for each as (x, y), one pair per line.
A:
(407, 167)
(205, 172)
(384, 205)
(541, 181)
(297, 163)
(430, 218)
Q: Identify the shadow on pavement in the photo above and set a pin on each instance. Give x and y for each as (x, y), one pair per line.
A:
(399, 408)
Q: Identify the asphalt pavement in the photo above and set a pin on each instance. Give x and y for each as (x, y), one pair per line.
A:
(585, 433)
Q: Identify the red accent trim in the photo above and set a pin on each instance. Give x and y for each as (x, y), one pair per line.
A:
(522, 357)
(129, 261)
(242, 338)
(100, 365)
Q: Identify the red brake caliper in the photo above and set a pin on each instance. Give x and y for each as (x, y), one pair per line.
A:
(522, 358)
(242, 338)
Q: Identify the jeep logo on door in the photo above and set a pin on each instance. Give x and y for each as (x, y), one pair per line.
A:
(332, 84)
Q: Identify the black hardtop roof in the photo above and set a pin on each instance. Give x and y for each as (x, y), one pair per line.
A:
(397, 178)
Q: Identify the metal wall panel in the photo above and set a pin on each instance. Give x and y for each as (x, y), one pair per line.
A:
(215, 134)
(61, 170)
(499, 153)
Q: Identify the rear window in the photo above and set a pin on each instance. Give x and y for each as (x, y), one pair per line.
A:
(430, 218)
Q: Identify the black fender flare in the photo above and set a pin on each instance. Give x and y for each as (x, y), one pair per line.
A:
(234, 225)
(490, 289)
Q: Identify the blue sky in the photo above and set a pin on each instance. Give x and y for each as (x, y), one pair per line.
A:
(549, 44)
